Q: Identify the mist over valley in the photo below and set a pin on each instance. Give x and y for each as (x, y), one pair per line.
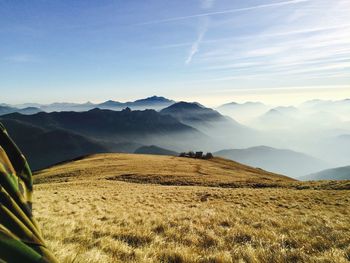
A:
(294, 140)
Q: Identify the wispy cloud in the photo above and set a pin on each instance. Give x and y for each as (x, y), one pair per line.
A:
(313, 47)
(22, 58)
(284, 33)
(195, 46)
(230, 11)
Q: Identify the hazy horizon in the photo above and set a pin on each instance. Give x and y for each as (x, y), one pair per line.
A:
(209, 103)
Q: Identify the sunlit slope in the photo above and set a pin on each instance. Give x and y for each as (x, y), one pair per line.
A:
(165, 170)
(104, 208)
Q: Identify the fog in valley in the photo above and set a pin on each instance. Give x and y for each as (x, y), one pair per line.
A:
(295, 140)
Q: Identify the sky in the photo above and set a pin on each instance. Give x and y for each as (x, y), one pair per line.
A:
(211, 51)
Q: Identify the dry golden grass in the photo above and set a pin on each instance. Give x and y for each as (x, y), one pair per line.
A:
(87, 217)
(166, 170)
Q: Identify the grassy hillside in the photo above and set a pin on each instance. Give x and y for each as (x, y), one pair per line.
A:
(164, 170)
(116, 208)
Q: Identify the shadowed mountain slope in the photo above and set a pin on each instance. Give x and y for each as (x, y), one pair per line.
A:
(44, 147)
(48, 138)
(192, 113)
(107, 124)
(154, 150)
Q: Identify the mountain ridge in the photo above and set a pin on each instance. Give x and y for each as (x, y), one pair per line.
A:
(163, 170)
(105, 122)
(153, 102)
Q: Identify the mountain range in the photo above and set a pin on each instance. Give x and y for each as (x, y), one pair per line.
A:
(106, 124)
(325, 112)
(48, 138)
(157, 125)
(27, 110)
(154, 102)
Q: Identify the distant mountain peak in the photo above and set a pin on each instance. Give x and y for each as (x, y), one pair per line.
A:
(190, 112)
(110, 103)
(154, 99)
(273, 112)
(186, 106)
(233, 103)
(253, 103)
(262, 147)
(245, 105)
(158, 98)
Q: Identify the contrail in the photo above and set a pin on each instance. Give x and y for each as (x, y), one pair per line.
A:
(195, 46)
(224, 12)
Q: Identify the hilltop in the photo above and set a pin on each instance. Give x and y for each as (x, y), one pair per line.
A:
(164, 170)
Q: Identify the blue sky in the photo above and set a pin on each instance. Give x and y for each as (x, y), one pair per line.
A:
(213, 51)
